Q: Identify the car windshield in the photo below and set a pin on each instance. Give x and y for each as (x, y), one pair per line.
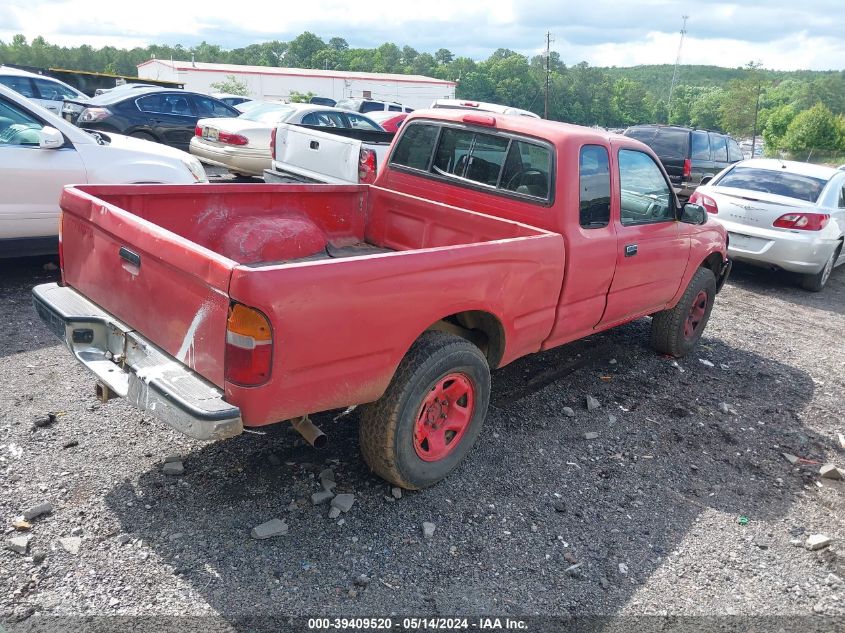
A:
(781, 183)
(666, 143)
(269, 113)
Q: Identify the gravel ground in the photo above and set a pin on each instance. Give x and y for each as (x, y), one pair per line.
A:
(643, 519)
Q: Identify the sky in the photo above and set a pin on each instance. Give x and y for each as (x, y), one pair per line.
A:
(780, 34)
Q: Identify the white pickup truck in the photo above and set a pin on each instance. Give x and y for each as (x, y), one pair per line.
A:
(304, 153)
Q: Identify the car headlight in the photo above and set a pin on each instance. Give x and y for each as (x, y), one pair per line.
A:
(196, 169)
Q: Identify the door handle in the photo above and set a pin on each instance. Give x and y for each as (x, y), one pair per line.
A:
(129, 256)
(630, 250)
(314, 145)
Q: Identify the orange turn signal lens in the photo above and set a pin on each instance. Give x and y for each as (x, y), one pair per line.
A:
(250, 322)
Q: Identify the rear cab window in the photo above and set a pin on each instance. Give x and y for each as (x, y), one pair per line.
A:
(666, 142)
(473, 158)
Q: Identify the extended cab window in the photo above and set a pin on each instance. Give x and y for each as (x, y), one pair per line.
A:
(415, 147)
(646, 196)
(594, 187)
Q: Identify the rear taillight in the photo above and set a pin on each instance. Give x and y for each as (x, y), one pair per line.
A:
(802, 221)
(687, 168)
(198, 130)
(249, 346)
(90, 115)
(707, 202)
(232, 139)
(367, 166)
(273, 144)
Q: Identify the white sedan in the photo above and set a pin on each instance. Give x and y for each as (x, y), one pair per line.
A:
(41, 153)
(242, 144)
(781, 214)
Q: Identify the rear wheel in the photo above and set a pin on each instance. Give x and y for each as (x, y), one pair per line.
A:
(431, 414)
(814, 283)
(676, 331)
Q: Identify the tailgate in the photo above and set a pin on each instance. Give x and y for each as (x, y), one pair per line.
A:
(317, 155)
(169, 289)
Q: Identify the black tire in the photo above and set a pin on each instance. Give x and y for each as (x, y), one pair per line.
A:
(144, 136)
(814, 283)
(387, 426)
(668, 334)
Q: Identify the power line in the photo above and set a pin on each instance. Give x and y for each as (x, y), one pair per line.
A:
(549, 41)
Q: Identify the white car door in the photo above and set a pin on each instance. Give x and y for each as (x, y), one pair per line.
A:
(52, 94)
(31, 178)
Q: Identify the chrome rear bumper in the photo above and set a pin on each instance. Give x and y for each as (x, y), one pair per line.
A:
(134, 368)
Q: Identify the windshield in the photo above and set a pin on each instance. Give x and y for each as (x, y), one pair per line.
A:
(780, 183)
(269, 113)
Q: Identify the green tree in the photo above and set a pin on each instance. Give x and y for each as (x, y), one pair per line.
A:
(443, 56)
(302, 49)
(738, 107)
(300, 97)
(705, 107)
(777, 123)
(812, 130)
(338, 44)
(232, 85)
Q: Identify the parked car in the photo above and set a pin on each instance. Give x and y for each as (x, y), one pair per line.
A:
(155, 114)
(389, 121)
(781, 214)
(691, 157)
(323, 101)
(230, 99)
(40, 153)
(242, 144)
(47, 92)
(372, 105)
(480, 106)
(222, 307)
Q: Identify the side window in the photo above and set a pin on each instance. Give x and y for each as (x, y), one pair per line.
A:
(150, 103)
(415, 147)
(395, 108)
(734, 153)
(646, 196)
(361, 123)
(841, 204)
(17, 126)
(211, 108)
(594, 187)
(700, 146)
(53, 91)
(177, 104)
(720, 148)
(527, 169)
(21, 85)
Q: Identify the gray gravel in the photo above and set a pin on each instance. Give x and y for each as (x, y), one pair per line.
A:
(676, 507)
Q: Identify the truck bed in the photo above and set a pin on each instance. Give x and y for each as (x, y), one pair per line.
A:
(348, 276)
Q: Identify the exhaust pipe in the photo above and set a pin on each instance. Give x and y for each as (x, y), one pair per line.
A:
(310, 432)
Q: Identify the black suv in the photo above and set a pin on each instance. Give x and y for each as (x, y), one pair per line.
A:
(691, 157)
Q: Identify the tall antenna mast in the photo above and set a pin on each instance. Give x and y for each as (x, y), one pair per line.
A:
(677, 63)
(549, 41)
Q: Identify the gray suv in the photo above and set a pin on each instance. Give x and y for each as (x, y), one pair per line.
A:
(691, 157)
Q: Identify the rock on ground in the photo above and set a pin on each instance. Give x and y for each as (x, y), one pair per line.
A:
(269, 529)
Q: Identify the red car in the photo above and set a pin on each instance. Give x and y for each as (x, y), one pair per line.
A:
(484, 238)
(390, 121)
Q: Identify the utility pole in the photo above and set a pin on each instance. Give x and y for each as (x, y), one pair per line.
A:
(756, 113)
(677, 63)
(549, 41)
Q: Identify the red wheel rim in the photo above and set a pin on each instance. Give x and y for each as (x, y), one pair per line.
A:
(696, 314)
(444, 417)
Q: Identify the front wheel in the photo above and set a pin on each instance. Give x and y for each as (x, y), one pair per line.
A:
(431, 414)
(676, 331)
(814, 283)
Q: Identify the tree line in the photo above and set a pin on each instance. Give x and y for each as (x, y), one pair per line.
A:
(797, 112)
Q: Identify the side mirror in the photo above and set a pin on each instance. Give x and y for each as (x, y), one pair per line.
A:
(50, 138)
(692, 213)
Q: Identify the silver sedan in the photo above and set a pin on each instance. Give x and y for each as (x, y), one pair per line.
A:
(781, 214)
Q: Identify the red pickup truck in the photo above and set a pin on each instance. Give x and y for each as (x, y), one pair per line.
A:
(484, 238)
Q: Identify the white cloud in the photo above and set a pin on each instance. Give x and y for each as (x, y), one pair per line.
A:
(782, 34)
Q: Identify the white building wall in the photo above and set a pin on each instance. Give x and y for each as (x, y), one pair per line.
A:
(411, 94)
